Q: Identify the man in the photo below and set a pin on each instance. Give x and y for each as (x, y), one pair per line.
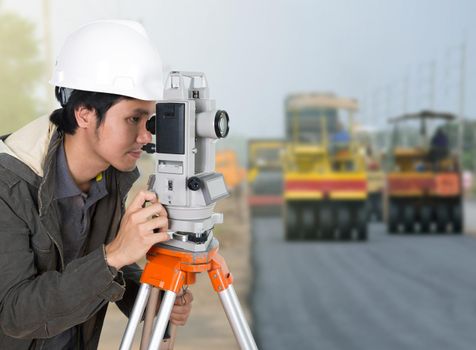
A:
(439, 148)
(67, 244)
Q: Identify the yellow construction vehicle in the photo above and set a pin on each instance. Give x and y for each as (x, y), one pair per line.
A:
(424, 188)
(325, 179)
(265, 177)
(226, 163)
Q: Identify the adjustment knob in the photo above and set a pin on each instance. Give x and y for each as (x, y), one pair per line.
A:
(194, 183)
(149, 148)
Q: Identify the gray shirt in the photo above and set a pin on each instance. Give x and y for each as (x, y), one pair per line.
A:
(76, 210)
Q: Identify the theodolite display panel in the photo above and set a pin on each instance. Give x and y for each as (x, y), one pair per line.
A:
(214, 187)
(170, 125)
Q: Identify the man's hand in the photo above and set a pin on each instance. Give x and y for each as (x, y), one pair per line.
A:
(182, 308)
(136, 233)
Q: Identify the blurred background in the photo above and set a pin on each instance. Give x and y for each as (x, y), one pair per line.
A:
(350, 159)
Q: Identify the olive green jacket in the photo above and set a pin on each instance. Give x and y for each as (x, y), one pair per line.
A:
(40, 297)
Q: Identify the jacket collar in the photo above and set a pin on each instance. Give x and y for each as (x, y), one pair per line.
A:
(30, 144)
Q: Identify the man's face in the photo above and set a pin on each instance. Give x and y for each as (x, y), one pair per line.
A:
(119, 139)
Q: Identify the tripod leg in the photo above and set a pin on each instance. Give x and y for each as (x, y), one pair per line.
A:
(222, 279)
(162, 319)
(136, 316)
(237, 319)
(149, 318)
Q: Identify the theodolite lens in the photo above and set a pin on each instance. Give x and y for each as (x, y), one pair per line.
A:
(222, 124)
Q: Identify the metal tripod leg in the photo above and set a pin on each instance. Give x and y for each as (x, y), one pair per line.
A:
(237, 319)
(136, 316)
(162, 319)
(149, 318)
(173, 269)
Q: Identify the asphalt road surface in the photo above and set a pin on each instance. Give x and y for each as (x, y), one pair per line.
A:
(392, 292)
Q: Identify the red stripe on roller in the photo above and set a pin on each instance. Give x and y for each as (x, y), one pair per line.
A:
(410, 184)
(326, 185)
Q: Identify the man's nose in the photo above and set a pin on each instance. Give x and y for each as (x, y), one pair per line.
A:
(144, 136)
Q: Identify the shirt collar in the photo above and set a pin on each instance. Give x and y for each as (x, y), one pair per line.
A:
(65, 185)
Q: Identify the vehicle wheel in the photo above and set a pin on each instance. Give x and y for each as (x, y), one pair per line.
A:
(325, 222)
(442, 218)
(393, 217)
(457, 219)
(379, 213)
(425, 218)
(292, 218)
(344, 222)
(409, 218)
(308, 224)
(361, 223)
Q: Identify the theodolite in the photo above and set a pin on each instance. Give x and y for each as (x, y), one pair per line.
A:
(187, 126)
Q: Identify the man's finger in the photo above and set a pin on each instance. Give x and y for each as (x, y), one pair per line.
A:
(159, 237)
(179, 315)
(156, 209)
(188, 296)
(178, 322)
(159, 222)
(181, 310)
(180, 301)
(142, 197)
(184, 298)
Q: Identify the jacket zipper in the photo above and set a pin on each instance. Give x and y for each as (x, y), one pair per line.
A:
(58, 249)
(40, 207)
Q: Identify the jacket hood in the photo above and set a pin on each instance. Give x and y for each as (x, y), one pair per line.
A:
(30, 143)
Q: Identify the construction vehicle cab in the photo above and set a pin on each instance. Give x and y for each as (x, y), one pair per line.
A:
(265, 177)
(325, 182)
(424, 191)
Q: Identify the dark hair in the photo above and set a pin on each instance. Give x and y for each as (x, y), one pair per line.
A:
(100, 102)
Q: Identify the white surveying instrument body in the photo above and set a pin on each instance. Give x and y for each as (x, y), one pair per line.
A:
(187, 126)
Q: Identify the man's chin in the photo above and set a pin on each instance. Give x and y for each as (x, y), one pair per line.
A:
(125, 168)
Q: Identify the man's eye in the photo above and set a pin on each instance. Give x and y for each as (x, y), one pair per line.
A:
(134, 120)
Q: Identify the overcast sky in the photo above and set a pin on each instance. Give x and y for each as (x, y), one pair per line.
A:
(256, 52)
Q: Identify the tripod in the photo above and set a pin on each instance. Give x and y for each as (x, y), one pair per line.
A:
(170, 269)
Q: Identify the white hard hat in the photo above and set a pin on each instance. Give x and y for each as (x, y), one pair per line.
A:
(111, 56)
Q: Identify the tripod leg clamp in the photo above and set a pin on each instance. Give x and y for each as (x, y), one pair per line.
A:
(219, 274)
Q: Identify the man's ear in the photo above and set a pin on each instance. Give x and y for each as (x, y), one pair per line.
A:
(85, 117)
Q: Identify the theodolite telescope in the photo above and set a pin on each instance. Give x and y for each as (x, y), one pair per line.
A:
(187, 126)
